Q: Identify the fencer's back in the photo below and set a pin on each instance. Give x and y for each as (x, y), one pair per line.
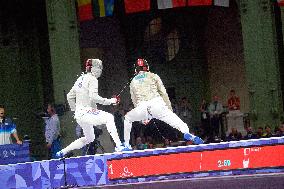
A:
(144, 86)
(82, 87)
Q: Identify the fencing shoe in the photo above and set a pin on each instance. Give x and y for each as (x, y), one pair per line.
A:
(194, 139)
(197, 140)
(59, 154)
(127, 147)
(119, 148)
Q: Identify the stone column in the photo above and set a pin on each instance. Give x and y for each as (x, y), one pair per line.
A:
(261, 61)
(65, 57)
(64, 46)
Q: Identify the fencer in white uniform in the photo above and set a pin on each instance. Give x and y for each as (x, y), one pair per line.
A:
(151, 100)
(82, 99)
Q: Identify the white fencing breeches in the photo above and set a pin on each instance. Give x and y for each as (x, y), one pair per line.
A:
(88, 118)
(155, 108)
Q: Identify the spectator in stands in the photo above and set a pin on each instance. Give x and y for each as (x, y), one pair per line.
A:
(259, 133)
(139, 144)
(185, 112)
(233, 101)
(250, 134)
(149, 142)
(137, 131)
(7, 128)
(235, 116)
(268, 132)
(205, 119)
(189, 142)
(215, 110)
(175, 105)
(52, 132)
(281, 130)
(167, 143)
(234, 135)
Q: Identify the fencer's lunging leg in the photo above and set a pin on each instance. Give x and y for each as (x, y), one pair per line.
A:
(111, 128)
(173, 120)
(89, 136)
(137, 114)
(160, 111)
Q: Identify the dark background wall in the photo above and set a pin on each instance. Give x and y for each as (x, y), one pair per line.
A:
(25, 82)
(225, 54)
(102, 38)
(210, 57)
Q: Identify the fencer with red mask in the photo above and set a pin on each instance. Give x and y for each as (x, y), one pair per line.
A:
(151, 100)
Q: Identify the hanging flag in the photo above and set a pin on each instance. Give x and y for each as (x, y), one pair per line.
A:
(83, 2)
(103, 8)
(132, 6)
(85, 11)
(280, 2)
(166, 4)
(222, 3)
(199, 2)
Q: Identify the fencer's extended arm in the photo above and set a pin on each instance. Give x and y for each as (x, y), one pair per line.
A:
(94, 95)
(162, 91)
(71, 98)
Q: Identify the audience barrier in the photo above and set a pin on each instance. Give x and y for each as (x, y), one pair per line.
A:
(206, 160)
(14, 153)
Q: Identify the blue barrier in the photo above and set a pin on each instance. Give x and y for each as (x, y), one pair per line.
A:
(98, 170)
(14, 153)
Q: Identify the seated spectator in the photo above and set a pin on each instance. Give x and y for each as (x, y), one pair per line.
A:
(268, 132)
(234, 135)
(138, 129)
(139, 144)
(250, 134)
(259, 133)
(175, 105)
(149, 142)
(280, 131)
(167, 143)
(7, 128)
(189, 142)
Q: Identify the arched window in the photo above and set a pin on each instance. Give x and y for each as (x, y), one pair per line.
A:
(173, 41)
(152, 29)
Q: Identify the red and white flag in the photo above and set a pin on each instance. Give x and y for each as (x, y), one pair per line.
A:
(85, 10)
(199, 2)
(166, 4)
(280, 2)
(222, 3)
